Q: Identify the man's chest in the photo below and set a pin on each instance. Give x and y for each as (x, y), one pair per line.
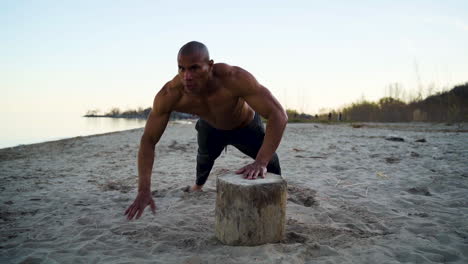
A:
(220, 103)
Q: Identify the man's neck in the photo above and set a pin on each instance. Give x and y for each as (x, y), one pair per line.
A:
(209, 88)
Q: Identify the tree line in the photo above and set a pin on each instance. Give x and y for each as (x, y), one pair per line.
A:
(448, 106)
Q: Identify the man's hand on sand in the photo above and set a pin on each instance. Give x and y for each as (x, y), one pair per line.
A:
(253, 170)
(142, 200)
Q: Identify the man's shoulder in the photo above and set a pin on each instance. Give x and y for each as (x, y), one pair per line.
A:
(235, 79)
(222, 69)
(171, 88)
(226, 71)
(169, 94)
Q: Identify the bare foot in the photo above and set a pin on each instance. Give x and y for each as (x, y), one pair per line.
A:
(194, 188)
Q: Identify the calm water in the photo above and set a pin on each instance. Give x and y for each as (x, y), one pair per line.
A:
(32, 128)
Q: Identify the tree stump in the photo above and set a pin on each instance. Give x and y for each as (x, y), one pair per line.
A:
(250, 212)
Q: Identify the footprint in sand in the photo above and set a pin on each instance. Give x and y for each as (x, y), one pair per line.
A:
(422, 190)
(302, 196)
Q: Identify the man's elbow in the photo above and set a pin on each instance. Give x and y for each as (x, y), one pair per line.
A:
(282, 118)
(285, 117)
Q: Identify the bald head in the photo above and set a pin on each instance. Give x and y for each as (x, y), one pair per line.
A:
(195, 48)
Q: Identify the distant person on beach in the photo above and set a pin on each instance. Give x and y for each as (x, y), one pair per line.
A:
(229, 102)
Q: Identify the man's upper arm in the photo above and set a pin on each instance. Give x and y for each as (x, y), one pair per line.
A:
(255, 94)
(158, 117)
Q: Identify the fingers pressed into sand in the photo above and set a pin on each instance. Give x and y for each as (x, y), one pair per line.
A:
(135, 210)
(131, 213)
(127, 213)
(153, 207)
(129, 209)
(140, 213)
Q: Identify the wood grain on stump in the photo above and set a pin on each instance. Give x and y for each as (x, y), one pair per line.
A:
(250, 212)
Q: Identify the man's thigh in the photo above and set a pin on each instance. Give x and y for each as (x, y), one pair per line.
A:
(249, 139)
(210, 140)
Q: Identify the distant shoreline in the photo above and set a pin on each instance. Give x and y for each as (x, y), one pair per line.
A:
(110, 116)
(143, 115)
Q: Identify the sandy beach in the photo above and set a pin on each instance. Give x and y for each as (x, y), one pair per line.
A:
(353, 197)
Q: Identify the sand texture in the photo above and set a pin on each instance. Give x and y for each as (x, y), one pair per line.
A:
(354, 196)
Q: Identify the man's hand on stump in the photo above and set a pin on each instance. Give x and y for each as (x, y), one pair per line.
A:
(253, 170)
(142, 200)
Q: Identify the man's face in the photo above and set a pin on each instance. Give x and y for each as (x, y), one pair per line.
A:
(194, 72)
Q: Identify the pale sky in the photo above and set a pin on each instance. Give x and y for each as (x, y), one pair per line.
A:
(72, 56)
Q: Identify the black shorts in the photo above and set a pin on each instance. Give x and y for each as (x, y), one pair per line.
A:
(212, 141)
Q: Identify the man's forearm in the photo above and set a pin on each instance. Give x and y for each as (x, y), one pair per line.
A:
(145, 166)
(274, 132)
